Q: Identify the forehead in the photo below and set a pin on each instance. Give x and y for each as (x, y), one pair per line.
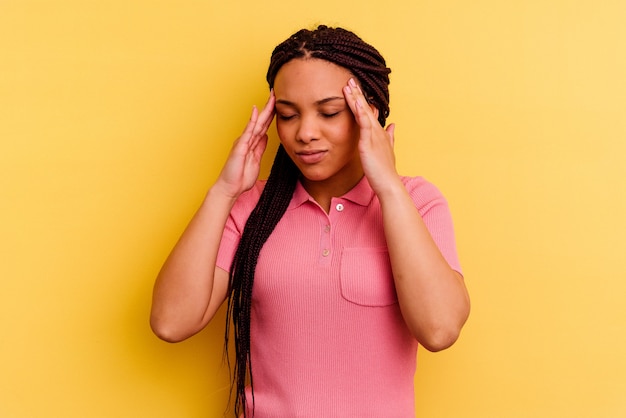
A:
(310, 79)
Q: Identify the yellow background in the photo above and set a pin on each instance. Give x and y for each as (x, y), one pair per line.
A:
(115, 117)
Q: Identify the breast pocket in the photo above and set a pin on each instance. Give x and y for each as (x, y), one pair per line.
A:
(366, 277)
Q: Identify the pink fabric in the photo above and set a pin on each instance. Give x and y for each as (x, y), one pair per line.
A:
(327, 335)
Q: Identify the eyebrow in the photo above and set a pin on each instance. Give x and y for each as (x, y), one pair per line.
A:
(318, 103)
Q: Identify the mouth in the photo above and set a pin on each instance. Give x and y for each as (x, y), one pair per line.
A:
(311, 156)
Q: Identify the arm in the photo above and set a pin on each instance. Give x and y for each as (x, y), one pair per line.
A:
(432, 297)
(190, 288)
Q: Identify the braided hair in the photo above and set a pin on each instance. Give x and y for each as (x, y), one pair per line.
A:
(342, 48)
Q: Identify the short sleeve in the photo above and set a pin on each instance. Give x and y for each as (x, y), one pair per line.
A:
(235, 224)
(433, 207)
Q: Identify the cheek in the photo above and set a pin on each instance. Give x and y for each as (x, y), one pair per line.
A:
(282, 131)
(349, 129)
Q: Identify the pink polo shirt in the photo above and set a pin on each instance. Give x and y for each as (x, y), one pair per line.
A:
(327, 335)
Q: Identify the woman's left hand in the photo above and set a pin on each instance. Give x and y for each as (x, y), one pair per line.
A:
(432, 297)
(375, 144)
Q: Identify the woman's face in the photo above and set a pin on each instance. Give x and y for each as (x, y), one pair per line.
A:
(315, 125)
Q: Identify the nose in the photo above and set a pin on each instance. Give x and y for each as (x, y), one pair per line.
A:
(308, 129)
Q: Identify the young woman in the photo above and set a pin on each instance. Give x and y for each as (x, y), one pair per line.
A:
(336, 267)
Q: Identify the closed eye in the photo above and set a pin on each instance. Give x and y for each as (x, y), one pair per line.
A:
(285, 117)
(330, 115)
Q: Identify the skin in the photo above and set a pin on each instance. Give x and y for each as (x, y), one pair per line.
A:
(317, 127)
(333, 136)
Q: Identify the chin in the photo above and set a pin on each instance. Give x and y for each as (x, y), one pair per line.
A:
(313, 175)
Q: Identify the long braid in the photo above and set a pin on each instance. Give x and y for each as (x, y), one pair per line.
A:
(342, 48)
(271, 206)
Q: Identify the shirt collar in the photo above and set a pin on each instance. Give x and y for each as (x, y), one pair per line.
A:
(361, 194)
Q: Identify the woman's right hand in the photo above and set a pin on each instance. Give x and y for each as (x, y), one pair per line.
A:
(190, 288)
(242, 167)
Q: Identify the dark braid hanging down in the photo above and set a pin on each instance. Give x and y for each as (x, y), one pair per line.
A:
(347, 50)
(271, 206)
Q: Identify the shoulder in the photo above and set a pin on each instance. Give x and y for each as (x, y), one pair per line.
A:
(253, 194)
(247, 201)
(424, 193)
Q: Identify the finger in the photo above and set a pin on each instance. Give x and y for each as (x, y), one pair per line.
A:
(358, 104)
(268, 121)
(350, 94)
(266, 116)
(356, 107)
(391, 129)
(259, 148)
(262, 117)
(247, 132)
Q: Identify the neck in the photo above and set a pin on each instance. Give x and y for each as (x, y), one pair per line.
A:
(323, 191)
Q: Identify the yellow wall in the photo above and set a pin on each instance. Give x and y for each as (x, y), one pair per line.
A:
(115, 116)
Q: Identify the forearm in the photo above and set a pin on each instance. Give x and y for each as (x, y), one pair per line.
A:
(432, 297)
(184, 299)
(189, 289)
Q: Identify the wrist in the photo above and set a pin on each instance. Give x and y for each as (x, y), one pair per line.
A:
(389, 189)
(219, 193)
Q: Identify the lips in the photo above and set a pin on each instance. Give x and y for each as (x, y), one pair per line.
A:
(311, 157)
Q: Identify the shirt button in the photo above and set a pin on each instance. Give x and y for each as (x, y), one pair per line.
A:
(327, 228)
(325, 253)
(339, 207)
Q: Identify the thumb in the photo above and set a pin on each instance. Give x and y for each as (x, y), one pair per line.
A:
(390, 131)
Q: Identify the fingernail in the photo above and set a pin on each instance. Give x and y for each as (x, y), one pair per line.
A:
(352, 82)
